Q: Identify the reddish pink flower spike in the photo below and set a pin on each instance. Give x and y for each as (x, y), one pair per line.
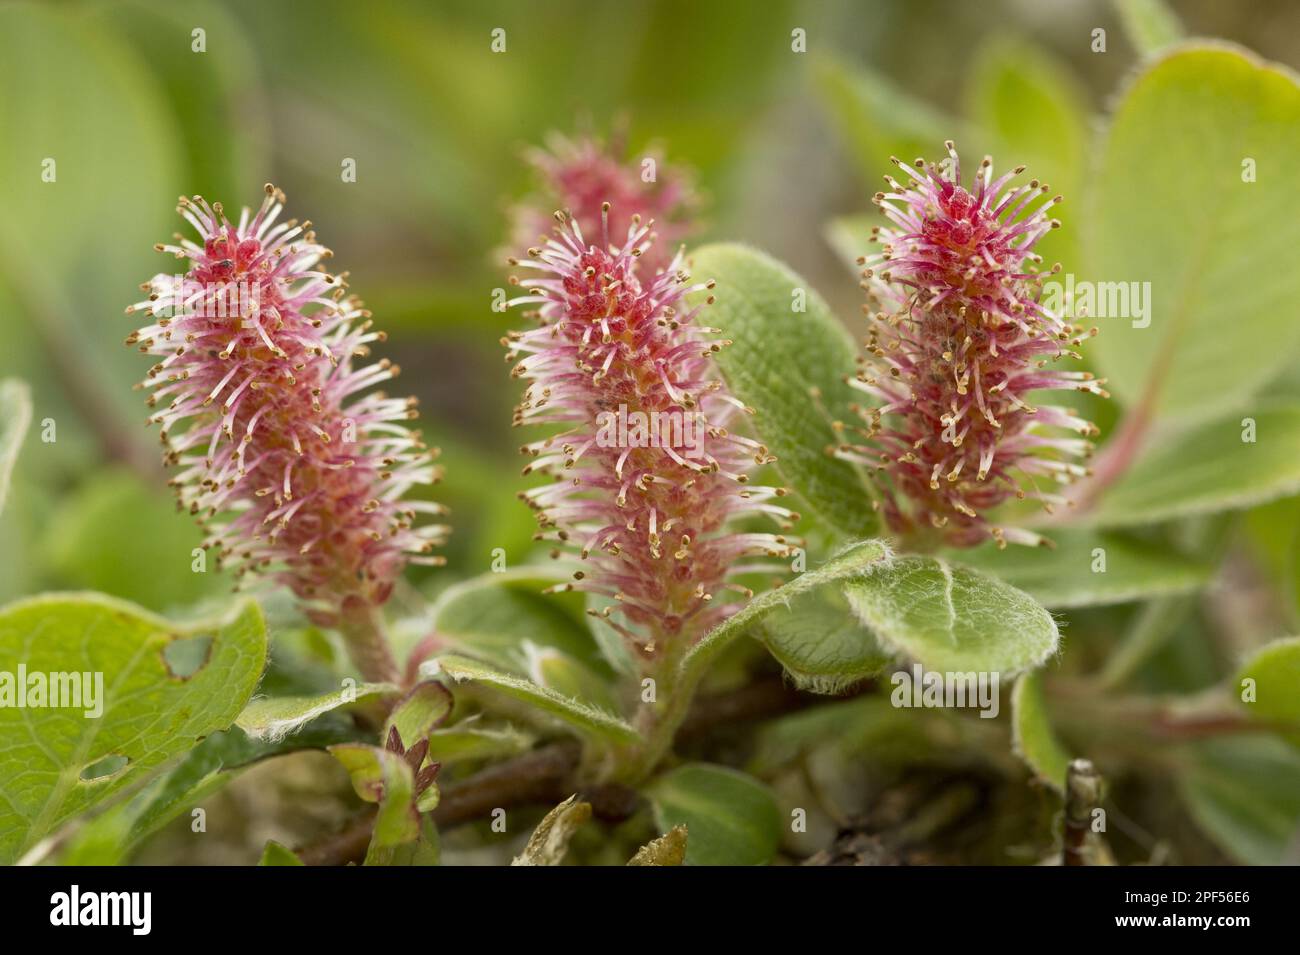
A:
(289, 472)
(581, 175)
(959, 343)
(646, 502)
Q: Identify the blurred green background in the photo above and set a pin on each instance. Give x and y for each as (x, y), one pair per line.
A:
(436, 122)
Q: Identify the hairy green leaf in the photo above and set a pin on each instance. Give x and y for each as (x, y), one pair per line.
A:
(275, 717)
(849, 562)
(949, 617)
(583, 717)
(494, 615)
(789, 366)
(823, 647)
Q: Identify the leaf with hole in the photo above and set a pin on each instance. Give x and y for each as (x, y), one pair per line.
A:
(115, 652)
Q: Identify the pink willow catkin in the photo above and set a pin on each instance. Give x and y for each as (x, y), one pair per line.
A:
(288, 472)
(582, 175)
(650, 523)
(959, 343)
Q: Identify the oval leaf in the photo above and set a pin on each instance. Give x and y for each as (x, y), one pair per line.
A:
(730, 818)
(949, 617)
(790, 367)
(824, 649)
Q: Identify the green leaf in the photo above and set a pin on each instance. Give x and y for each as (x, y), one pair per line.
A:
(823, 648)
(463, 743)
(15, 416)
(1149, 24)
(214, 763)
(277, 854)
(1207, 470)
(382, 776)
(584, 718)
(275, 717)
(1210, 244)
(668, 849)
(1275, 672)
(492, 617)
(550, 668)
(418, 713)
(149, 715)
(952, 618)
(880, 119)
(1032, 736)
(730, 818)
(849, 562)
(790, 367)
(1245, 794)
(550, 840)
(1088, 569)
